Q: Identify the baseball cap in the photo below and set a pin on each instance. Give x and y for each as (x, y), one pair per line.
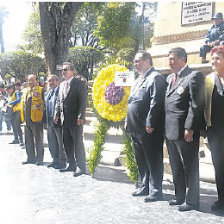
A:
(218, 15)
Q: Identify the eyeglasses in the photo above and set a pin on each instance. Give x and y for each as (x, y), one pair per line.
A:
(52, 80)
(137, 61)
(66, 69)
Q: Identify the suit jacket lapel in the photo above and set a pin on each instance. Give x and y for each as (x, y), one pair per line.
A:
(140, 82)
(146, 75)
(179, 80)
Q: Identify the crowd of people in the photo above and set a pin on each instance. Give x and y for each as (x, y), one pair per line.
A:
(60, 107)
(178, 109)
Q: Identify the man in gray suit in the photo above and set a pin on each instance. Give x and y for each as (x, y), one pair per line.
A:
(54, 131)
(184, 109)
(145, 122)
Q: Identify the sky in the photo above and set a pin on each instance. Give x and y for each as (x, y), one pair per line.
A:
(15, 22)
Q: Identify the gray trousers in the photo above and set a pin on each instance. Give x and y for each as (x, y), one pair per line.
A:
(17, 131)
(34, 142)
(55, 144)
(74, 146)
(185, 168)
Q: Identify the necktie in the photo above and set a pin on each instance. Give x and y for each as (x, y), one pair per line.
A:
(66, 89)
(173, 80)
(51, 94)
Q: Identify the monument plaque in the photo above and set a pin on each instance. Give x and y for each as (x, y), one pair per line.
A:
(195, 12)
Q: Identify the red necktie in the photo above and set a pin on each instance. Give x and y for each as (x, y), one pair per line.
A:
(173, 80)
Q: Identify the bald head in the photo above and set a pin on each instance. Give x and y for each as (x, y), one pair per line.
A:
(32, 80)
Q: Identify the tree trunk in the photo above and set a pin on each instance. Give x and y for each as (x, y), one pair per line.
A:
(56, 20)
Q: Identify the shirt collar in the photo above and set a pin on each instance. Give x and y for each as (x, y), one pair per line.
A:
(69, 80)
(178, 73)
(143, 76)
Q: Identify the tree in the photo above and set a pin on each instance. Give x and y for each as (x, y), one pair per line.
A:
(85, 23)
(32, 33)
(147, 18)
(3, 13)
(56, 20)
(84, 58)
(114, 26)
(18, 64)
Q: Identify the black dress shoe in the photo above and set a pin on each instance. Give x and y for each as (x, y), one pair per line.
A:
(61, 166)
(187, 207)
(69, 169)
(176, 202)
(140, 192)
(152, 198)
(28, 162)
(53, 165)
(78, 173)
(39, 163)
(218, 205)
(14, 142)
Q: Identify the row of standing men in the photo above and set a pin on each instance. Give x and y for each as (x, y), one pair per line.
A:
(62, 109)
(178, 103)
(181, 107)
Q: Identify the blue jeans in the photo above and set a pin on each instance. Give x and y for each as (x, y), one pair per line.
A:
(0, 121)
(7, 119)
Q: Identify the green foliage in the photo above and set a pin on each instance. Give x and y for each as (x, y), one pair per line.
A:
(115, 24)
(129, 159)
(84, 59)
(99, 140)
(18, 64)
(32, 33)
(84, 24)
(126, 55)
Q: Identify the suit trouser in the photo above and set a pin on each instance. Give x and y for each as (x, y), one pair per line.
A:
(185, 168)
(74, 146)
(204, 50)
(34, 142)
(17, 131)
(216, 143)
(55, 143)
(149, 158)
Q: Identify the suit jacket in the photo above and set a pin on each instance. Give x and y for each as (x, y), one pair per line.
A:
(73, 106)
(146, 103)
(214, 98)
(47, 119)
(184, 104)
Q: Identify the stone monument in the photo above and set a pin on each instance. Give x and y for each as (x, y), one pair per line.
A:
(182, 24)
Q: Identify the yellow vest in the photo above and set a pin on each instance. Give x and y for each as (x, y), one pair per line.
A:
(37, 103)
(13, 98)
(209, 87)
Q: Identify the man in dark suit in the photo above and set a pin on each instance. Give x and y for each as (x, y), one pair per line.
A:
(145, 122)
(70, 108)
(184, 109)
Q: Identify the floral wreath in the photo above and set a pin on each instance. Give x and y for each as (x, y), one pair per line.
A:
(110, 101)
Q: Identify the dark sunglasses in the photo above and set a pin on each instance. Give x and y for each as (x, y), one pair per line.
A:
(65, 69)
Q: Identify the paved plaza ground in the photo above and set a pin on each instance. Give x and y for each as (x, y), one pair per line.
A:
(33, 194)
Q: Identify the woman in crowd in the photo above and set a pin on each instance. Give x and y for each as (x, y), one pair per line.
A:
(214, 111)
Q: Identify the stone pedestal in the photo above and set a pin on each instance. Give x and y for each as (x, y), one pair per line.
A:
(170, 33)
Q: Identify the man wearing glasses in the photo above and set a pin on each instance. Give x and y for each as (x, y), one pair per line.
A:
(70, 109)
(145, 122)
